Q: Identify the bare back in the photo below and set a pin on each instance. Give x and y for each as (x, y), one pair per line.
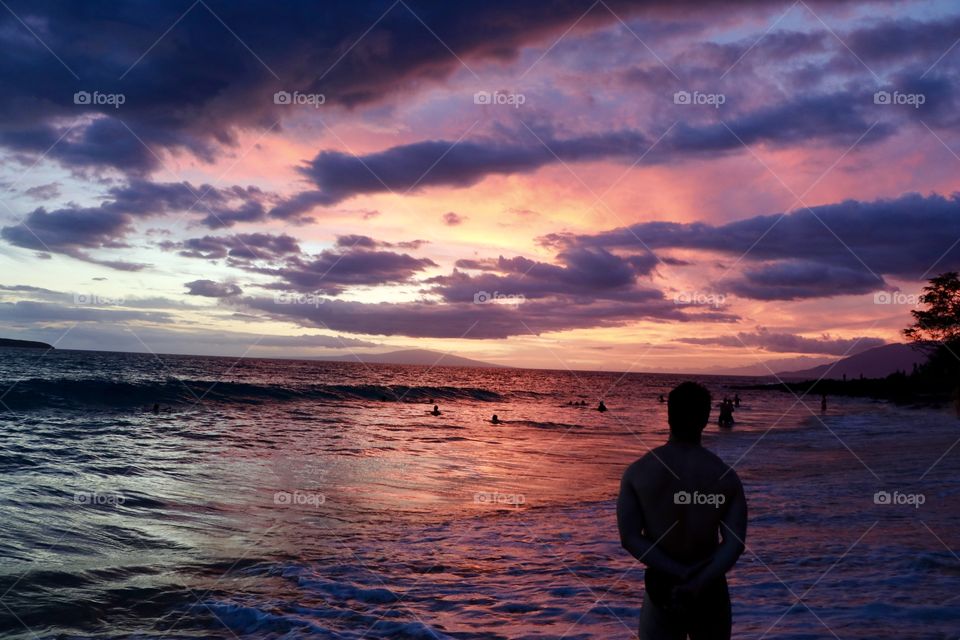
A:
(683, 492)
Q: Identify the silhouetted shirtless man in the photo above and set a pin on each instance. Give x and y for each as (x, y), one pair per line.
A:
(682, 512)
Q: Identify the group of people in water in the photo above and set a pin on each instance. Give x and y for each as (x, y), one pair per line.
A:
(582, 403)
(725, 419)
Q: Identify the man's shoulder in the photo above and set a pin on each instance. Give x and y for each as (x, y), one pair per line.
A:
(653, 456)
(728, 474)
(650, 462)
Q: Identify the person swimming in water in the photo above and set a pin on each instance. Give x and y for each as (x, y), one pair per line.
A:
(495, 419)
(688, 545)
(661, 398)
(601, 407)
(726, 414)
(436, 411)
(736, 399)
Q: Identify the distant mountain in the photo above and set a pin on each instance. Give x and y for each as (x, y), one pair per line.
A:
(413, 356)
(878, 362)
(764, 368)
(24, 344)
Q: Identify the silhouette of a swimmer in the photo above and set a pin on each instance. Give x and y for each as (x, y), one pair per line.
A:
(661, 398)
(601, 407)
(495, 419)
(823, 403)
(682, 512)
(736, 399)
(156, 408)
(436, 411)
(726, 413)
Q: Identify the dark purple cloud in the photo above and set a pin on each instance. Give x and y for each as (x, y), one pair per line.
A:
(73, 230)
(837, 118)
(476, 321)
(796, 280)
(766, 340)
(366, 242)
(833, 249)
(355, 260)
(586, 274)
(240, 247)
(192, 74)
(587, 287)
(212, 289)
(331, 271)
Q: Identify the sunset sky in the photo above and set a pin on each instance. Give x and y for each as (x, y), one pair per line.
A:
(644, 186)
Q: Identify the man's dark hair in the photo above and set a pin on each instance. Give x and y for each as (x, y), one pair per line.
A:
(688, 410)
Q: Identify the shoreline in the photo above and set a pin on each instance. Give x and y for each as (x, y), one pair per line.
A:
(897, 389)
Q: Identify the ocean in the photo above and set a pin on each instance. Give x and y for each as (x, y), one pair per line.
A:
(295, 499)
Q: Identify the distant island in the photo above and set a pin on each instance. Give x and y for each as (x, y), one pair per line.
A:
(898, 372)
(878, 362)
(422, 357)
(24, 344)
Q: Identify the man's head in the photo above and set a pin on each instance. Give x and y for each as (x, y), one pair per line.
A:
(688, 409)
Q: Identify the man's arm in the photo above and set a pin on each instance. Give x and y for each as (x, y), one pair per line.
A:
(633, 535)
(733, 532)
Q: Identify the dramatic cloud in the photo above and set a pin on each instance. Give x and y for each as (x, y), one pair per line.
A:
(839, 118)
(114, 126)
(242, 247)
(474, 321)
(795, 280)
(72, 230)
(366, 242)
(190, 76)
(355, 260)
(212, 289)
(826, 250)
(584, 273)
(791, 343)
(330, 271)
